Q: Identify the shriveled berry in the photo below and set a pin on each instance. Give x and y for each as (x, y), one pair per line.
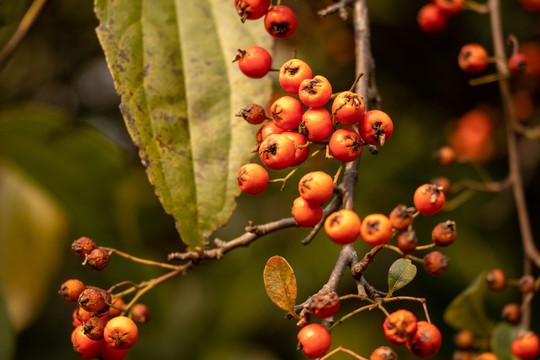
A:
(253, 114)
(383, 353)
(72, 289)
(94, 327)
(426, 341)
(444, 233)
(496, 280)
(92, 300)
(83, 246)
(252, 178)
(400, 326)
(324, 304)
(435, 263)
(140, 313)
(511, 313)
(526, 284)
(98, 259)
(407, 241)
(401, 217)
(84, 346)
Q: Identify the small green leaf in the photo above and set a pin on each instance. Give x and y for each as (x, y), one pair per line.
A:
(280, 283)
(400, 274)
(467, 310)
(501, 340)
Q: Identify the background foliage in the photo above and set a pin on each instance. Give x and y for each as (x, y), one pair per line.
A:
(68, 168)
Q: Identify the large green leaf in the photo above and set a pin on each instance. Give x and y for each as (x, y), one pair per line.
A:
(171, 63)
(33, 231)
(467, 310)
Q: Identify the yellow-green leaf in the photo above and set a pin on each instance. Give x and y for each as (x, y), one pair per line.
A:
(171, 64)
(280, 283)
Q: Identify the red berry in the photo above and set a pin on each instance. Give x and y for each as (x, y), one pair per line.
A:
(428, 199)
(324, 304)
(432, 19)
(72, 289)
(343, 226)
(496, 280)
(407, 241)
(530, 5)
(277, 152)
(301, 148)
(376, 127)
(348, 108)
(252, 178)
(526, 346)
(512, 313)
(266, 130)
(435, 263)
(292, 73)
(83, 246)
(140, 313)
(345, 145)
(286, 112)
(120, 332)
(315, 92)
(444, 233)
(280, 21)
(473, 58)
(254, 61)
(450, 7)
(316, 124)
(251, 9)
(383, 353)
(400, 326)
(306, 214)
(376, 229)
(426, 341)
(314, 340)
(518, 63)
(316, 187)
(84, 346)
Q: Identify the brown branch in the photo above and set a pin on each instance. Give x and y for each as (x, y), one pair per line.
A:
(338, 7)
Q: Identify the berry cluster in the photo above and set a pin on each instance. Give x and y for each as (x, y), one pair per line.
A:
(433, 17)
(102, 330)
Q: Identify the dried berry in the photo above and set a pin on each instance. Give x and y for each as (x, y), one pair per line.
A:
(72, 289)
(94, 327)
(401, 217)
(496, 280)
(92, 300)
(407, 241)
(526, 284)
(83, 246)
(444, 233)
(98, 259)
(324, 304)
(435, 263)
(140, 313)
(511, 313)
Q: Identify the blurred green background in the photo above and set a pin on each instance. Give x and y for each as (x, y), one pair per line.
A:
(68, 169)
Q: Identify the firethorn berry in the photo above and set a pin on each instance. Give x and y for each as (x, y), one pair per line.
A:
(407, 241)
(314, 340)
(426, 341)
(117, 307)
(280, 21)
(446, 156)
(286, 112)
(450, 7)
(251, 9)
(277, 152)
(254, 61)
(444, 233)
(512, 313)
(472, 138)
(496, 280)
(315, 92)
(324, 304)
(92, 300)
(464, 339)
(121, 332)
(316, 124)
(530, 5)
(343, 226)
(140, 313)
(266, 130)
(486, 356)
(82, 246)
(110, 353)
(376, 127)
(435, 263)
(252, 178)
(401, 217)
(94, 327)
(428, 199)
(98, 259)
(292, 73)
(72, 289)
(345, 145)
(305, 213)
(376, 229)
(399, 326)
(84, 346)
(518, 63)
(348, 108)
(253, 114)
(526, 284)
(316, 187)
(383, 353)
(301, 146)
(432, 19)
(473, 58)
(526, 346)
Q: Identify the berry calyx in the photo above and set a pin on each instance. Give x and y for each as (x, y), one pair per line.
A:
(314, 340)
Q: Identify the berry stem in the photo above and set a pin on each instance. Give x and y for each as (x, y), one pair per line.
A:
(140, 260)
(342, 349)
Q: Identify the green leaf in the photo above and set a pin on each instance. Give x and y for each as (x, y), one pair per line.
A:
(171, 64)
(501, 340)
(33, 231)
(400, 274)
(280, 283)
(467, 310)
